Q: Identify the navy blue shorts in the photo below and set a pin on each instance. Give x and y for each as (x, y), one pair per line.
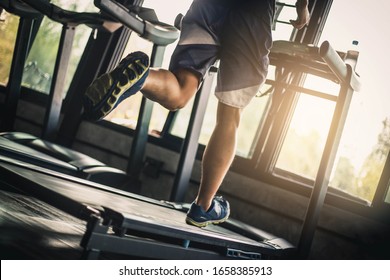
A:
(238, 33)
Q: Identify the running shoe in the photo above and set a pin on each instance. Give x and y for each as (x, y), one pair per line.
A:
(108, 90)
(218, 213)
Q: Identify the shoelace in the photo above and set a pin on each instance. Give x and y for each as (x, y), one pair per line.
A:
(219, 199)
(217, 208)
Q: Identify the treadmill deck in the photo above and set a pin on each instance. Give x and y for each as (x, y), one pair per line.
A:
(124, 217)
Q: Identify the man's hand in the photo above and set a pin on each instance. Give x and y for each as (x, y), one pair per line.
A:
(303, 15)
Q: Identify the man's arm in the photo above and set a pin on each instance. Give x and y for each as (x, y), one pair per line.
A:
(303, 15)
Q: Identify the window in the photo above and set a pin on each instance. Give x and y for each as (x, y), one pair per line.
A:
(304, 143)
(285, 11)
(366, 139)
(387, 199)
(365, 142)
(40, 62)
(8, 29)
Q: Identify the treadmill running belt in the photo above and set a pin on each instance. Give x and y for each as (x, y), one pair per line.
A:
(131, 213)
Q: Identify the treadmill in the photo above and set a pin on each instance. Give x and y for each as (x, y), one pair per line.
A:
(131, 225)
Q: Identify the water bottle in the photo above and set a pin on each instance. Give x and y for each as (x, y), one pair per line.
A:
(353, 55)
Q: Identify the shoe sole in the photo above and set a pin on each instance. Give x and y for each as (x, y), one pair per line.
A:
(206, 223)
(114, 92)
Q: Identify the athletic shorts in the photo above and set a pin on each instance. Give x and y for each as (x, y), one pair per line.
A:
(238, 33)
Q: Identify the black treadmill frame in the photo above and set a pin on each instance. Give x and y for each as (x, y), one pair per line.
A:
(111, 231)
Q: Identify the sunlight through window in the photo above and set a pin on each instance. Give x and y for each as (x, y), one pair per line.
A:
(366, 135)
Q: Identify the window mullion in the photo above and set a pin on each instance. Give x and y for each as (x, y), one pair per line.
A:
(383, 185)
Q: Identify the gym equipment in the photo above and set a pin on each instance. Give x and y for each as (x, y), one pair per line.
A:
(135, 226)
(291, 61)
(33, 150)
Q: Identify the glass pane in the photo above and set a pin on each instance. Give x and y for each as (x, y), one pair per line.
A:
(183, 117)
(387, 199)
(366, 138)
(8, 29)
(39, 66)
(126, 113)
(283, 27)
(305, 140)
(251, 120)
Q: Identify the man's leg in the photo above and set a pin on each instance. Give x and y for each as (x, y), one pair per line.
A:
(173, 92)
(170, 90)
(219, 153)
(217, 159)
(132, 75)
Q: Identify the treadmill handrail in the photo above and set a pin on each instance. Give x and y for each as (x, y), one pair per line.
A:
(322, 60)
(157, 32)
(342, 70)
(65, 16)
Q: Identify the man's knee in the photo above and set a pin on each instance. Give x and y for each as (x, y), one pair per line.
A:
(188, 83)
(176, 103)
(179, 99)
(228, 115)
